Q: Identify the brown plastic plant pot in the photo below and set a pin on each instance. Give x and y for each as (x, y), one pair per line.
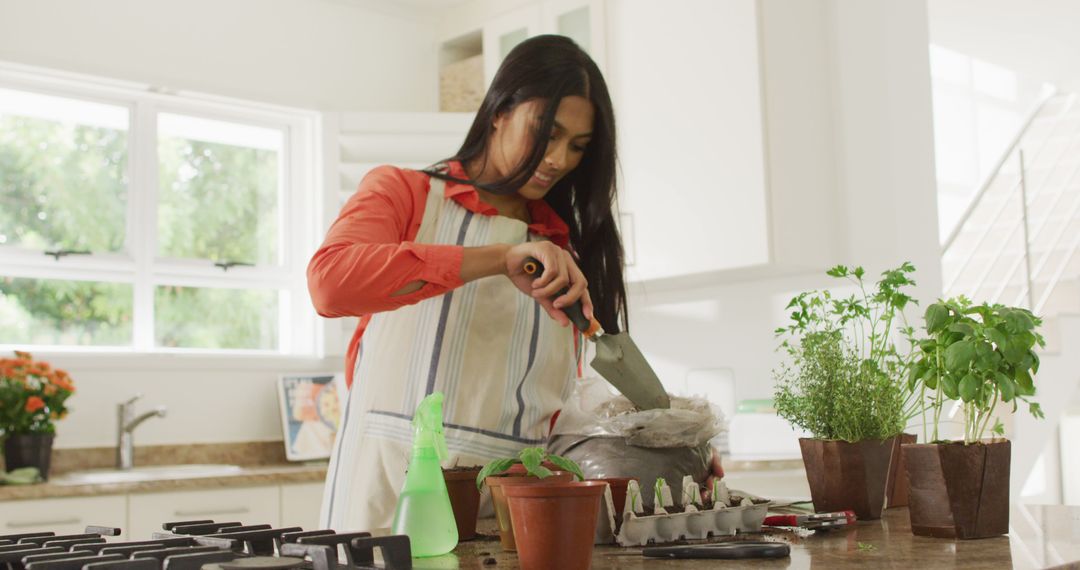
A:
(618, 491)
(845, 475)
(464, 498)
(896, 488)
(502, 513)
(555, 524)
(959, 491)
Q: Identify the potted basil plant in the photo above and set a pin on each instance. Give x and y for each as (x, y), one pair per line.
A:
(981, 357)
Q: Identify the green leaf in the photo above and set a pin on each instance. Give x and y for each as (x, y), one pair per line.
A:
(999, 428)
(494, 468)
(1027, 387)
(999, 338)
(948, 387)
(532, 458)
(959, 356)
(936, 317)
(969, 388)
(567, 465)
(838, 271)
(962, 328)
(1036, 410)
(1006, 385)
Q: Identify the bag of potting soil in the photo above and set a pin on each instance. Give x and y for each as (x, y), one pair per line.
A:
(608, 437)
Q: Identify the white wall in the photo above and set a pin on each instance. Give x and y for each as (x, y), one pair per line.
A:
(209, 399)
(850, 175)
(317, 54)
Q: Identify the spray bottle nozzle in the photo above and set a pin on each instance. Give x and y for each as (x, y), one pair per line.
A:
(428, 425)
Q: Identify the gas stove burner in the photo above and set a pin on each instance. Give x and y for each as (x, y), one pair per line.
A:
(205, 545)
(264, 562)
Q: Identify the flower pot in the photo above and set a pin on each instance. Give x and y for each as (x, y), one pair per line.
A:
(957, 490)
(896, 489)
(464, 498)
(29, 450)
(498, 499)
(618, 491)
(845, 475)
(555, 524)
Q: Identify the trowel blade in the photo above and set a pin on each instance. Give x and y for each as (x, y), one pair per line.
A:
(620, 362)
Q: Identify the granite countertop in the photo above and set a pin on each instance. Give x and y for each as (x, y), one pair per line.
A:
(1041, 536)
(260, 463)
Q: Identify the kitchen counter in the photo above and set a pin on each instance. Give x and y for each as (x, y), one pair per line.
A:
(261, 463)
(1041, 537)
(247, 476)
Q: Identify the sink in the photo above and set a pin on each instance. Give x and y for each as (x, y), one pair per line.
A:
(148, 473)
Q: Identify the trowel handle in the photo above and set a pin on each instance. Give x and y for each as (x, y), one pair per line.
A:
(533, 267)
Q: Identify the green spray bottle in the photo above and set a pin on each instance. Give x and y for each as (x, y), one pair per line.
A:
(423, 508)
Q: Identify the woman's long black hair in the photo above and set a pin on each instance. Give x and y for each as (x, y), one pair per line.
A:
(548, 68)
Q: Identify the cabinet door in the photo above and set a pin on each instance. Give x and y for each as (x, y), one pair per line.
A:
(300, 505)
(250, 505)
(580, 20)
(503, 33)
(62, 516)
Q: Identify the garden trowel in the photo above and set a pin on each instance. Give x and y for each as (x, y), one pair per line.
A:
(617, 358)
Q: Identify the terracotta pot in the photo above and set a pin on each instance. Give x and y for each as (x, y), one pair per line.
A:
(618, 492)
(29, 450)
(846, 475)
(498, 499)
(957, 490)
(464, 498)
(896, 488)
(555, 524)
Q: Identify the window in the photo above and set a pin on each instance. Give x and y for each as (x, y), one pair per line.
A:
(139, 220)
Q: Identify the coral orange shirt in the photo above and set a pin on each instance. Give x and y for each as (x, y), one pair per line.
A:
(368, 254)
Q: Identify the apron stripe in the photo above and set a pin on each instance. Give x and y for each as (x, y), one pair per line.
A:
(528, 367)
(422, 337)
(470, 429)
(444, 314)
(337, 457)
(454, 373)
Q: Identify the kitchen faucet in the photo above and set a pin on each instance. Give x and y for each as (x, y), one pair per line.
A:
(126, 423)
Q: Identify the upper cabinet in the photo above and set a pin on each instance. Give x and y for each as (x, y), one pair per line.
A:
(474, 33)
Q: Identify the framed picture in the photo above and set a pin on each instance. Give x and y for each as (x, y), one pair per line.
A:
(310, 413)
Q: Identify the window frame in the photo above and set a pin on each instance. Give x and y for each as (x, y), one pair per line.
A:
(138, 263)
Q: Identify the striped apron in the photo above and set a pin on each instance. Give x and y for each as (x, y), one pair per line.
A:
(503, 365)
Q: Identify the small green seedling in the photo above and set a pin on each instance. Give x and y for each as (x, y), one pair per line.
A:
(532, 458)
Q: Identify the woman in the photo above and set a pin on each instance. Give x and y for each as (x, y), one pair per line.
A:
(432, 262)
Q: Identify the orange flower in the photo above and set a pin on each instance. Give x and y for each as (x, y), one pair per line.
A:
(34, 403)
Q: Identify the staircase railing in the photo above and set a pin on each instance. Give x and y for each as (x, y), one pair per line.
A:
(1032, 269)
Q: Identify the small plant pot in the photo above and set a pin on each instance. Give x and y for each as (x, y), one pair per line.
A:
(845, 475)
(555, 524)
(896, 489)
(502, 512)
(618, 490)
(959, 491)
(29, 450)
(464, 498)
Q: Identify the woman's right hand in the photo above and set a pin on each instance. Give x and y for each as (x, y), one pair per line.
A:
(560, 272)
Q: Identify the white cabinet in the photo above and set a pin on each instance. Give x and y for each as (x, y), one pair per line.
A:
(250, 505)
(63, 516)
(581, 20)
(300, 505)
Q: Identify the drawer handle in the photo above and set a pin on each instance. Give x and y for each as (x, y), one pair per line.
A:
(57, 522)
(233, 511)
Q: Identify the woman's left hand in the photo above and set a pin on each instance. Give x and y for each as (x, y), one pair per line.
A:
(716, 471)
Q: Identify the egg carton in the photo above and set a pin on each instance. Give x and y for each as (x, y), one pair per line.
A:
(735, 511)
